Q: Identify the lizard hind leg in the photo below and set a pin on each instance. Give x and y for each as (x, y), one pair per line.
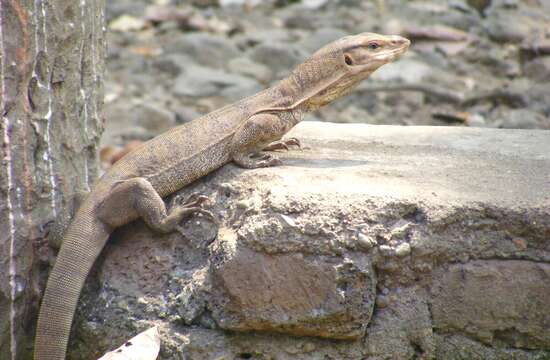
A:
(134, 198)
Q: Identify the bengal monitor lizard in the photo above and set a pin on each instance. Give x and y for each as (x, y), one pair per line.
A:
(134, 187)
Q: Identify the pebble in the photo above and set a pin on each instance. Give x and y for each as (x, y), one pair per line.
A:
(538, 69)
(321, 37)
(247, 67)
(403, 249)
(205, 49)
(127, 23)
(521, 119)
(153, 117)
(279, 57)
(366, 242)
(199, 81)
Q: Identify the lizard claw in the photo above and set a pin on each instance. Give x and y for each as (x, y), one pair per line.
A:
(293, 142)
(270, 161)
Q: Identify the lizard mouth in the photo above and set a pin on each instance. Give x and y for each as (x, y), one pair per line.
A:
(391, 55)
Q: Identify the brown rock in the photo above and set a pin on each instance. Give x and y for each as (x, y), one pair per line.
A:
(495, 301)
(293, 294)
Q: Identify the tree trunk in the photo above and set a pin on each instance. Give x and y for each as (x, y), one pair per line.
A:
(52, 61)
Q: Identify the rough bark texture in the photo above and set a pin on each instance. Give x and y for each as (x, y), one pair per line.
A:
(374, 242)
(52, 61)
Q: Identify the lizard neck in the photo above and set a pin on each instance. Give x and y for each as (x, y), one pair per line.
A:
(286, 96)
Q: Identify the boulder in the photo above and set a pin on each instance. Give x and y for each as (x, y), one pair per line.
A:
(371, 242)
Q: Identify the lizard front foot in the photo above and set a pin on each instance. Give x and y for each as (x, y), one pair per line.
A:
(258, 160)
(283, 144)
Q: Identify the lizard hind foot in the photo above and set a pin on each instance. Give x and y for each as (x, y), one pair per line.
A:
(193, 205)
(195, 199)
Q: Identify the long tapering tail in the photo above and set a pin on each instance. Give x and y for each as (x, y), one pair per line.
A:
(82, 244)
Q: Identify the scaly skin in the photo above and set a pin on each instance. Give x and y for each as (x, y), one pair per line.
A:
(135, 185)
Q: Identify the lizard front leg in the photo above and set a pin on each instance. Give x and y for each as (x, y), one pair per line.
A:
(253, 136)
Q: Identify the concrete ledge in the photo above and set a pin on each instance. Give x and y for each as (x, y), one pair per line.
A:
(404, 241)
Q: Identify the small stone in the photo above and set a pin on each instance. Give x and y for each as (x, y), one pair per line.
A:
(538, 69)
(154, 118)
(199, 81)
(382, 301)
(406, 71)
(479, 5)
(204, 49)
(320, 38)
(476, 120)
(127, 23)
(277, 56)
(247, 67)
(288, 220)
(522, 119)
(243, 204)
(308, 347)
(366, 242)
(507, 27)
(142, 301)
(403, 250)
(314, 4)
(173, 64)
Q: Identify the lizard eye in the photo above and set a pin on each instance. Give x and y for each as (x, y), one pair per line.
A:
(348, 60)
(373, 45)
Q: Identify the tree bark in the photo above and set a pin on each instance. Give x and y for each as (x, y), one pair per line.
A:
(52, 61)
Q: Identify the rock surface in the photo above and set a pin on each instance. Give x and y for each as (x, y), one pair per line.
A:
(372, 242)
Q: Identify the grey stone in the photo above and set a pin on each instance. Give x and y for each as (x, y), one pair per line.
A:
(522, 119)
(279, 57)
(154, 118)
(260, 36)
(242, 89)
(173, 64)
(198, 81)
(538, 69)
(365, 241)
(320, 38)
(247, 67)
(406, 70)
(507, 26)
(204, 49)
(403, 249)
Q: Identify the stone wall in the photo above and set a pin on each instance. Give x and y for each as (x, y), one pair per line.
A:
(372, 242)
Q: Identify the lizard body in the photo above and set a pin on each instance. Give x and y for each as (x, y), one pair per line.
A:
(134, 187)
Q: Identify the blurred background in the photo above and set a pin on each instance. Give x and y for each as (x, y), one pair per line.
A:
(482, 63)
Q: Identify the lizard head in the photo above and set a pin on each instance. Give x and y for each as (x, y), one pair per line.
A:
(338, 67)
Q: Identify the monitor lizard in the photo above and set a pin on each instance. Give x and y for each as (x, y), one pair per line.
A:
(135, 185)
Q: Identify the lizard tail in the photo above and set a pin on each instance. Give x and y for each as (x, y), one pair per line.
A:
(81, 245)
